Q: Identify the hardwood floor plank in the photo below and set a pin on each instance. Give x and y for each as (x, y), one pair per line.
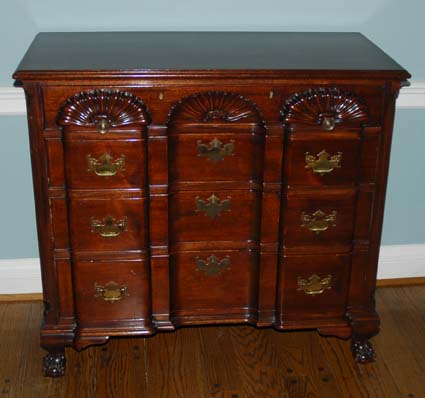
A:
(310, 365)
(80, 379)
(13, 332)
(357, 380)
(395, 347)
(30, 361)
(120, 369)
(173, 362)
(220, 370)
(259, 375)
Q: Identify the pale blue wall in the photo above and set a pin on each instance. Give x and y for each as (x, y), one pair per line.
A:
(394, 25)
(397, 26)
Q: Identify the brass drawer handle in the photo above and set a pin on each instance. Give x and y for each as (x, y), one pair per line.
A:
(212, 265)
(328, 123)
(215, 150)
(109, 228)
(105, 166)
(315, 284)
(102, 125)
(318, 221)
(324, 163)
(111, 292)
(213, 206)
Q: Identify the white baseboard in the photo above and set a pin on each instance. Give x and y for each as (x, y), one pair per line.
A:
(402, 261)
(18, 276)
(12, 99)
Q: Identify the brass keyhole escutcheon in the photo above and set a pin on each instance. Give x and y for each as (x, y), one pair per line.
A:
(102, 126)
(328, 123)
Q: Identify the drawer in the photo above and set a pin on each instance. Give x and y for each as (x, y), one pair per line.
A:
(111, 291)
(314, 286)
(209, 283)
(216, 157)
(105, 164)
(330, 160)
(318, 217)
(111, 224)
(225, 215)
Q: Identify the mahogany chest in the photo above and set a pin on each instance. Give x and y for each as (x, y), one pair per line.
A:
(208, 178)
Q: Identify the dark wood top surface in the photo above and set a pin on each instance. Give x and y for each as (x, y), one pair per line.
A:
(184, 51)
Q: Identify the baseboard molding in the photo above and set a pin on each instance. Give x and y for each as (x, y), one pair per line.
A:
(402, 261)
(398, 264)
(12, 99)
(20, 276)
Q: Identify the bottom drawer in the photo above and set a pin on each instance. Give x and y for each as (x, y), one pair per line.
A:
(314, 286)
(111, 291)
(206, 285)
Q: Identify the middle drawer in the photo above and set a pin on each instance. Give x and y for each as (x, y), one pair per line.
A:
(108, 223)
(225, 215)
(323, 218)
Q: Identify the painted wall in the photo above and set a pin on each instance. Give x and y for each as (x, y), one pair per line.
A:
(394, 25)
(397, 26)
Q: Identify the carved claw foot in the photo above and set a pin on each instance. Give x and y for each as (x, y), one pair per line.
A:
(363, 351)
(54, 364)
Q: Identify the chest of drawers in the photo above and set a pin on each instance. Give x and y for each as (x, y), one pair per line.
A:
(208, 178)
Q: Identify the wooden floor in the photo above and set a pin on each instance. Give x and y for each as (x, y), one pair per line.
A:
(224, 362)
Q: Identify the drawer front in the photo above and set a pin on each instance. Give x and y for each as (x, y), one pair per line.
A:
(111, 291)
(211, 283)
(314, 285)
(318, 218)
(105, 164)
(108, 224)
(216, 157)
(215, 216)
(315, 162)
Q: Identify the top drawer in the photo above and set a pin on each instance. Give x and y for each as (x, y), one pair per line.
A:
(103, 114)
(324, 109)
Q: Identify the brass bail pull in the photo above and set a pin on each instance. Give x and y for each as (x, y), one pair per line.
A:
(215, 151)
(111, 292)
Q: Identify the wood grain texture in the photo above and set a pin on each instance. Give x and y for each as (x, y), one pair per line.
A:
(224, 362)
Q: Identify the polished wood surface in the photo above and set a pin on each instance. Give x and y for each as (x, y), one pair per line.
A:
(141, 51)
(212, 196)
(223, 361)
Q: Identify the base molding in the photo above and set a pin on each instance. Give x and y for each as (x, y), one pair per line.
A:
(20, 279)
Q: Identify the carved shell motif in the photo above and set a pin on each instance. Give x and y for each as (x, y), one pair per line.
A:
(313, 106)
(213, 107)
(119, 108)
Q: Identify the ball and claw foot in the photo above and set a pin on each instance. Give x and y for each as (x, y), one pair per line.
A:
(54, 364)
(363, 351)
